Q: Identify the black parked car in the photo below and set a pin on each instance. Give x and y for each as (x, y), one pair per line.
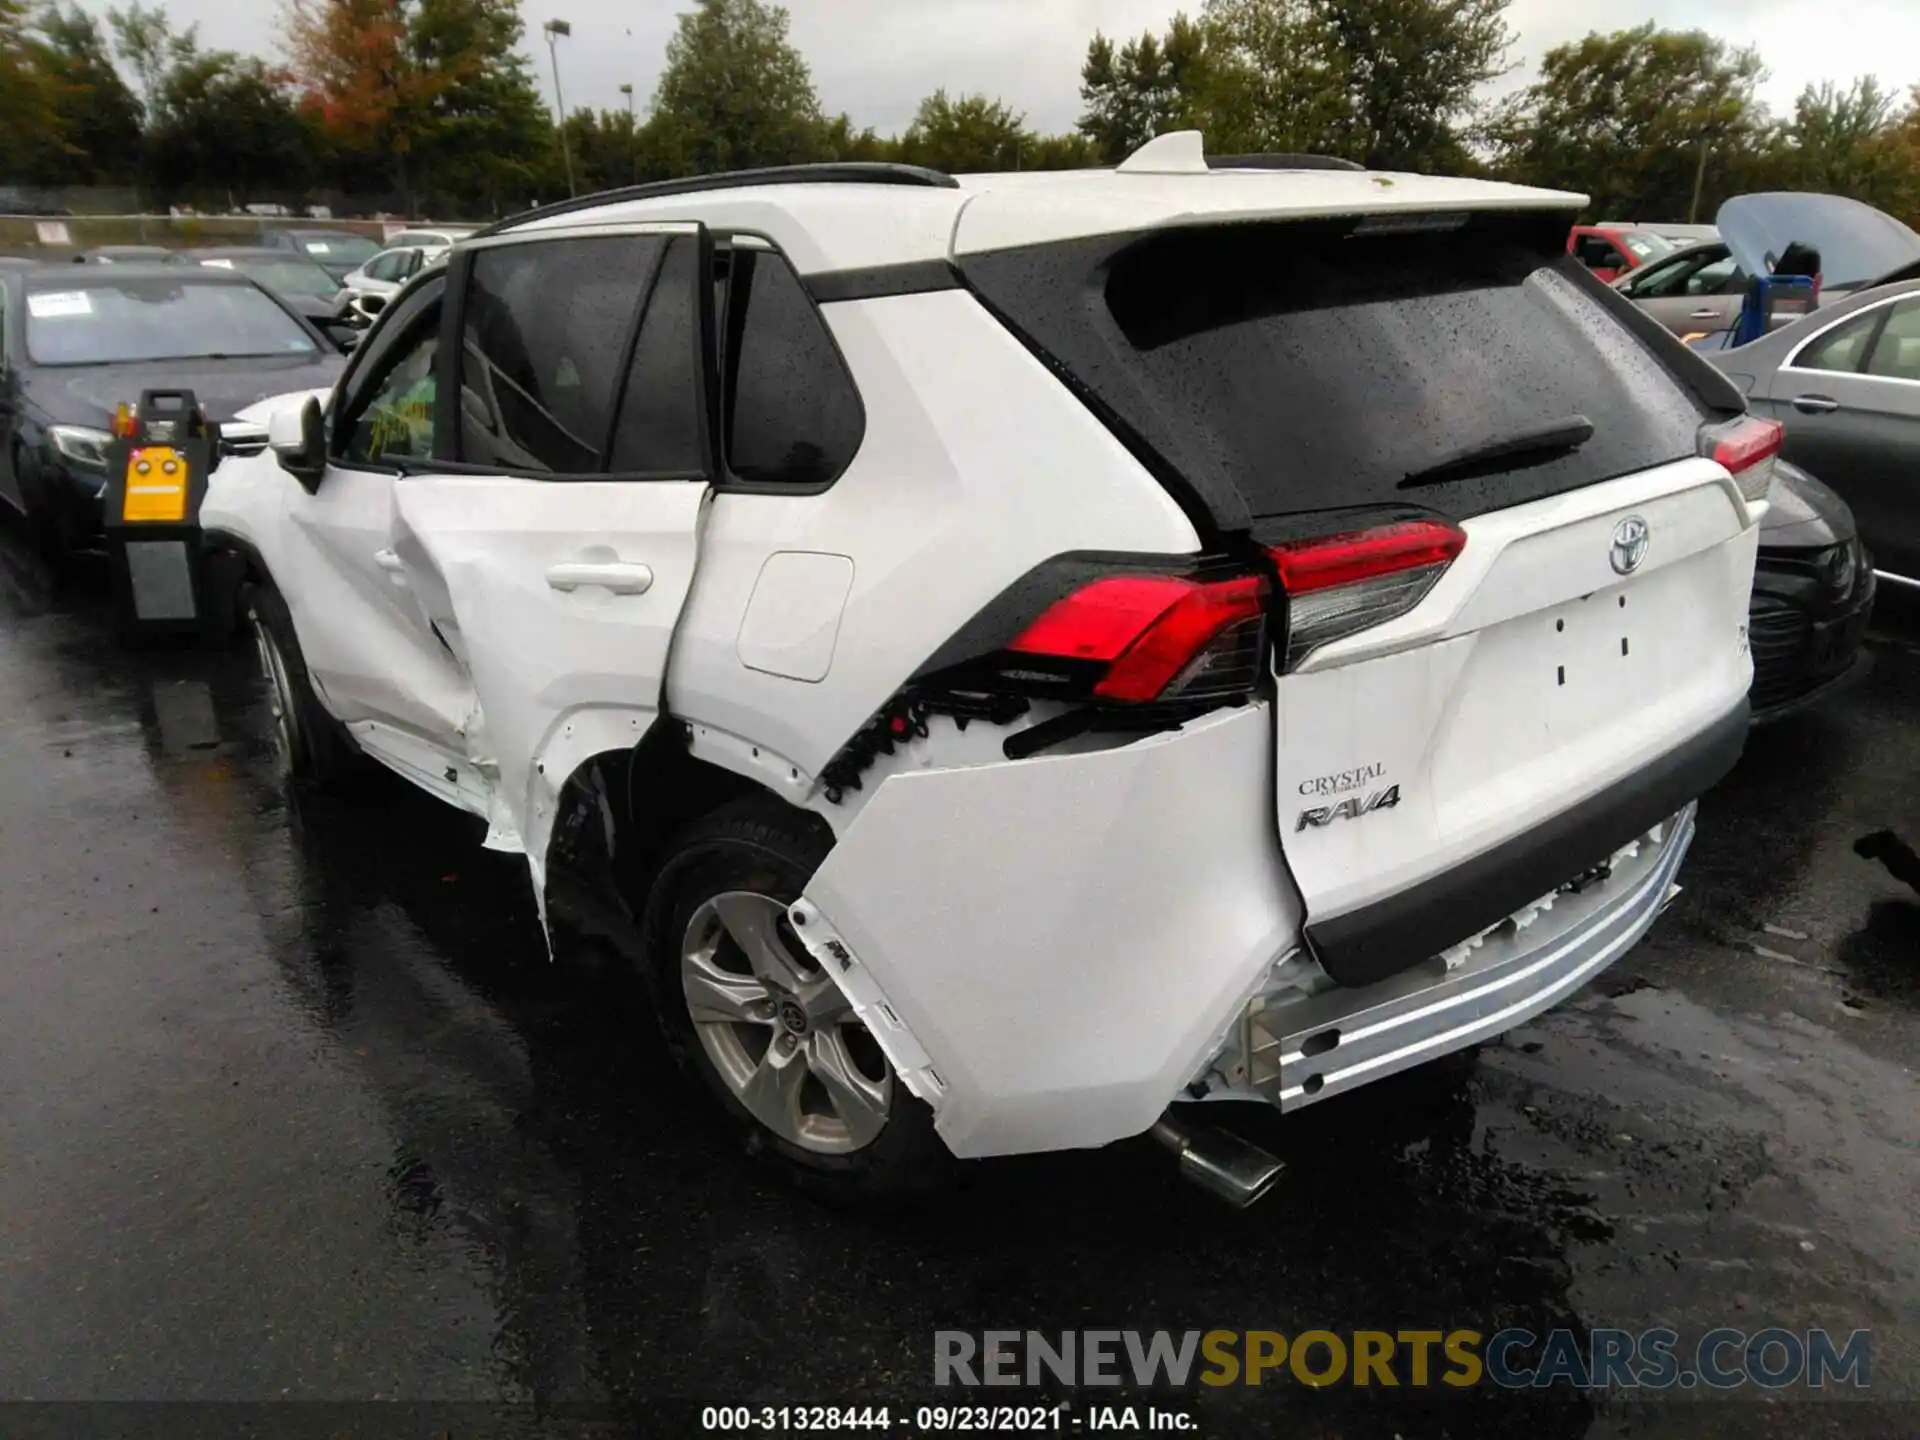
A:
(1813, 592)
(129, 255)
(76, 341)
(298, 281)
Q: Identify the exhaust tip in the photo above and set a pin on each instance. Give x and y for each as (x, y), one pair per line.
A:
(1219, 1162)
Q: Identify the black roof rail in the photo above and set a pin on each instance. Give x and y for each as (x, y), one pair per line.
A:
(1280, 162)
(839, 172)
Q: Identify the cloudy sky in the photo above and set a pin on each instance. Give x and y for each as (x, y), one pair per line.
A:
(876, 58)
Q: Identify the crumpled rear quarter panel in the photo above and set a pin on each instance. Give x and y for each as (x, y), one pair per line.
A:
(1068, 937)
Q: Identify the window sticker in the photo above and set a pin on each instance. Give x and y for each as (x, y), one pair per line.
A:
(58, 304)
(318, 247)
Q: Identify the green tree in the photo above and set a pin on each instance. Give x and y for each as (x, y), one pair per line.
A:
(1407, 73)
(1846, 142)
(1071, 151)
(735, 92)
(485, 139)
(146, 41)
(30, 136)
(1148, 86)
(229, 125)
(1268, 84)
(839, 140)
(1634, 119)
(968, 135)
(98, 116)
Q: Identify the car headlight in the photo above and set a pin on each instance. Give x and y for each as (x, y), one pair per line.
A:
(81, 446)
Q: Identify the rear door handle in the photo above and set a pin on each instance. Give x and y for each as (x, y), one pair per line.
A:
(1815, 404)
(619, 576)
(1703, 314)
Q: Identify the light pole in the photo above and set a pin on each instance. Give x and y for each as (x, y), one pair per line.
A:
(633, 148)
(554, 30)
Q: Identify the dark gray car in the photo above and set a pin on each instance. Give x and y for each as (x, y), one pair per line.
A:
(1846, 382)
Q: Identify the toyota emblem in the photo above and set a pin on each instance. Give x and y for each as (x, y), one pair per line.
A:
(1630, 540)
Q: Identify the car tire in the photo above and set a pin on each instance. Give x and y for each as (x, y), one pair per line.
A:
(797, 1074)
(315, 748)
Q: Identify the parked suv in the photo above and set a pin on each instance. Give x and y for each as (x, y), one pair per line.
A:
(1027, 649)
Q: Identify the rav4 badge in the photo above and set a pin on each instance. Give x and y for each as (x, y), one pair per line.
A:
(1350, 809)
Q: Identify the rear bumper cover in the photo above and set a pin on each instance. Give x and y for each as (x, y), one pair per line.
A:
(1367, 945)
(1294, 1049)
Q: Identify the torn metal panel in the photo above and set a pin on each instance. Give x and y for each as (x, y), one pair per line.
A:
(564, 599)
(1067, 937)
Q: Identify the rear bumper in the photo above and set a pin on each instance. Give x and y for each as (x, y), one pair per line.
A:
(1367, 945)
(1293, 1049)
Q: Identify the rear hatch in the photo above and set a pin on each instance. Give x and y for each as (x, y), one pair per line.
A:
(1512, 564)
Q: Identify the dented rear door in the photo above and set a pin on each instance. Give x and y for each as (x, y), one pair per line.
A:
(555, 557)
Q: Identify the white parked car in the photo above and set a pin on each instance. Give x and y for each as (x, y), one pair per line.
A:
(1026, 650)
(385, 273)
(437, 237)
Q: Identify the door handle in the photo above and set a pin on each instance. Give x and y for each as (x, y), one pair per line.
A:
(1703, 314)
(619, 576)
(1815, 404)
(389, 562)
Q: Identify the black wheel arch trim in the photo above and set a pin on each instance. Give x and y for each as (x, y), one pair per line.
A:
(1378, 940)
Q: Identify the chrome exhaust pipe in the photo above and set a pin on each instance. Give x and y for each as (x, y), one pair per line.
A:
(1236, 1170)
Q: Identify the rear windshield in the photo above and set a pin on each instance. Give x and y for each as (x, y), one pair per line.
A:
(110, 322)
(1309, 367)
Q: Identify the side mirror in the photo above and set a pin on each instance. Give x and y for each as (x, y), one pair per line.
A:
(299, 442)
(367, 307)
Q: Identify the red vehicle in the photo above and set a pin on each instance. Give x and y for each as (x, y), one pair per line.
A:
(1609, 251)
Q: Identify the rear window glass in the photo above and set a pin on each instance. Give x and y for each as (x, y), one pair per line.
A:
(1312, 368)
(155, 319)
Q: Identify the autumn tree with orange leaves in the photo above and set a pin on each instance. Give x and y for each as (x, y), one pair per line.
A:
(391, 77)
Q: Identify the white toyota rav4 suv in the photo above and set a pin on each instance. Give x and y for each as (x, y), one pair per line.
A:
(1028, 649)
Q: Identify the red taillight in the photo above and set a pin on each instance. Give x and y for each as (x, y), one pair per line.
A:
(1746, 442)
(1099, 621)
(1745, 447)
(1154, 630)
(1338, 585)
(1309, 565)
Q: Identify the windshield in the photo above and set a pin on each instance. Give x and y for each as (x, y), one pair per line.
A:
(288, 277)
(338, 249)
(157, 319)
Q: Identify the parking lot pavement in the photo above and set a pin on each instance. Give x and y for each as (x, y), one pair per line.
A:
(292, 1105)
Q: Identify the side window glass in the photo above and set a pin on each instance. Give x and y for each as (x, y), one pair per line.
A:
(393, 419)
(1896, 354)
(1712, 279)
(545, 331)
(1661, 281)
(657, 431)
(1840, 348)
(379, 268)
(792, 414)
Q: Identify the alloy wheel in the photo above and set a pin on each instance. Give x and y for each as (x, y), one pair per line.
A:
(778, 1030)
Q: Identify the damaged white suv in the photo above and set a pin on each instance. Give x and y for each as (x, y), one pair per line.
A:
(1028, 649)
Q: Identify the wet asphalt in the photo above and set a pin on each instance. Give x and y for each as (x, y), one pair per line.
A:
(294, 1107)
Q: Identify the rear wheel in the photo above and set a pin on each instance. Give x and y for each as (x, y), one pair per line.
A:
(746, 1009)
(313, 747)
